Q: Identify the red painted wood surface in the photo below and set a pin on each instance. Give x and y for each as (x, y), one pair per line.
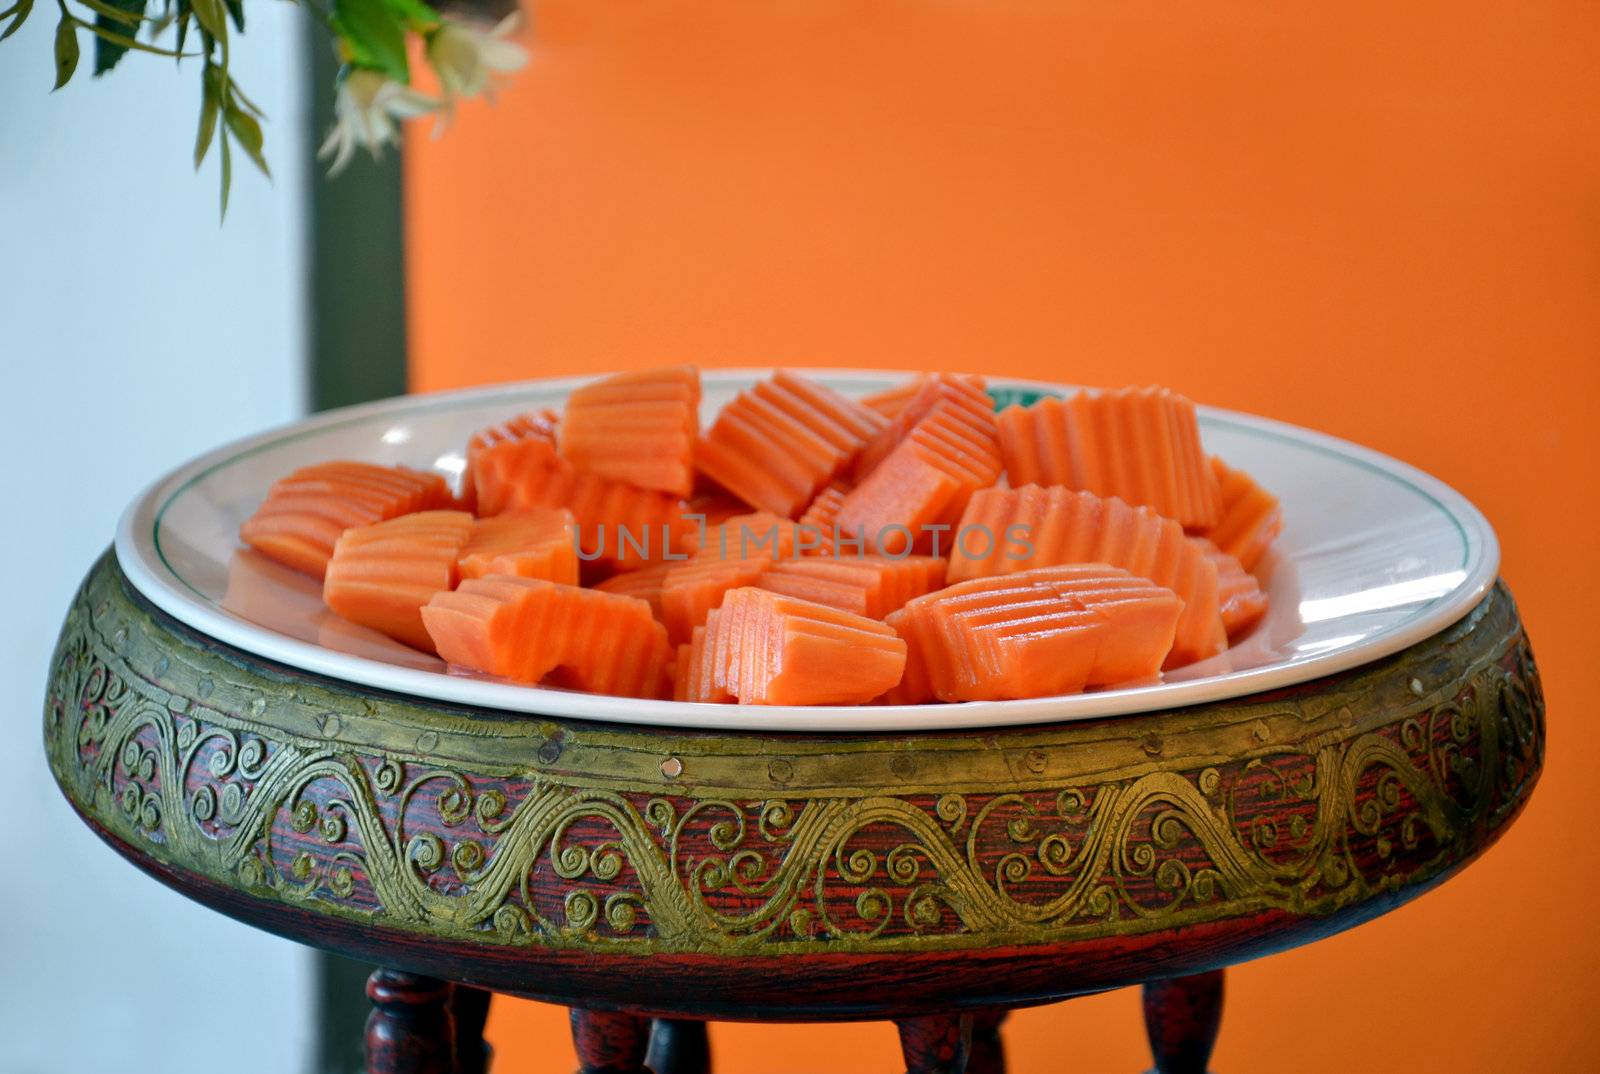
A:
(410, 1029)
(610, 1042)
(1182, 1016)
(936, 1043)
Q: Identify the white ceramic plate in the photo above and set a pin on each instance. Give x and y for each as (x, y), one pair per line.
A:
(1375, 556)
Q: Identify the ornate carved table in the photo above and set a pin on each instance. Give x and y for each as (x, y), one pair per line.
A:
(651, 879)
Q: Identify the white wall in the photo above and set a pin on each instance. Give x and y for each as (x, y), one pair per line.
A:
(134, 332)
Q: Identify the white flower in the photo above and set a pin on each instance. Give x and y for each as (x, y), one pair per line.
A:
(466, 59)
(365, 112)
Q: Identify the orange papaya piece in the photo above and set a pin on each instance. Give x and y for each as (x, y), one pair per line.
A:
(769, 649)
(644, 583)
(1250, 519)
(819, 525)
(1139, 444)
(1141, 618)
(305, 512)
(695, 679)
(540, 542)
(961, 393)
(619, 525)
(1022, 528)
(637, 427)
(380, 576)
(872, 586)
(1239, 595)
(994, 639)
(775, 445)
(530, 630)
(925, 481)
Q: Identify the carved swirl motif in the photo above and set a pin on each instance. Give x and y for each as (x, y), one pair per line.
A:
(1307, 828)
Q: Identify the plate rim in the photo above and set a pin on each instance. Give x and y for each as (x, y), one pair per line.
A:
(177, 597)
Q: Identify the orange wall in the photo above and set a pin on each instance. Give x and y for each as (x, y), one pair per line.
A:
(1379, 220)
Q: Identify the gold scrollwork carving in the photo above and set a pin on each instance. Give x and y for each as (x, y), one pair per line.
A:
(1310, 827)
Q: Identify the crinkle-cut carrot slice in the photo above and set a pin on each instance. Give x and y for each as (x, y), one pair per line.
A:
(1242, 600)
(769, 649)
(530, 438)
(381, 575)
(713, 508)
(619, 525)
(1141, 617)
(695, 679)
(614, 646)
(485, 625)
(776, 444)
(733, 554)
(540, 425)
(692, 589)
(703, 685)
(499, 457)
(1000, 639)
(872, 586)
(925, 481)
(644, 584)
(1042, 527)
(960, 393)
(537, 543)
(680, 669)
(529, 630)
(754, 534)
(819, 526)
(891, 401)
(1250, 517)
(305, 512)
(1017, 642)
(1139, 444)
(916, 685)
(638, 427)
(682, 656)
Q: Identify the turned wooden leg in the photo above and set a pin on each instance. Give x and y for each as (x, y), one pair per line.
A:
(1181, 1017)
(609, 1042)
(987, 1055)
(410, 1029)
(935, 1044)
(679, 1047)
(470, 1008)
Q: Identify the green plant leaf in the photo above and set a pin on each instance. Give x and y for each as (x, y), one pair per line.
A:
(227, 175)
(118, 16)
(115, 11)
(212, 17)
(248, 133)
(66, 50)
(236, 11)
(237, 95)
(159, 24)
(374, 36)
(416, 13)
(128, 42)
(183, 15)
(210, 105)
(19, 12)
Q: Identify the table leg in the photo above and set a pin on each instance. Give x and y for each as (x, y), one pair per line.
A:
(936, 1044)
(988, 1052)
(679, 1046)
(470, 1008)
(1181, 1017)
(610, 1042)
(409, 1030)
